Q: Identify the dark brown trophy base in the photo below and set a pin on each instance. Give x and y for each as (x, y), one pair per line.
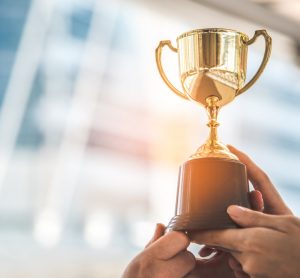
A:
(206, 187)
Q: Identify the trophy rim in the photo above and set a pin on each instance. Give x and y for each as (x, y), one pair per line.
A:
(211, 30)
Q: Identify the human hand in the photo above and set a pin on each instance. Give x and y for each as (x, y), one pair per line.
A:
(165, 256)
(223, 264)
(273, 202)
(268, 246)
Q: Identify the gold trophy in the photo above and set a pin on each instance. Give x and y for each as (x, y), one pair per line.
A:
(212, 64)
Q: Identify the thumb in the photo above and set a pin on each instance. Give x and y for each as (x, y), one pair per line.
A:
(249, 218)
(159, 231)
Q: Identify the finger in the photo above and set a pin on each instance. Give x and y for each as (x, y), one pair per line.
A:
(240, 274)
(237, 268)
(249, 218)
(256, 200)
(159, 231)
(234, 264)
(228, 239)
(181, 264)
(169, 245)
(273, 201)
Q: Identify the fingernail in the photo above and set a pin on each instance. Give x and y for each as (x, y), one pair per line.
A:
(236, 211)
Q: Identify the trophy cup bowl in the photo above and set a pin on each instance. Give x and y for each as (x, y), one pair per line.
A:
(212, 66)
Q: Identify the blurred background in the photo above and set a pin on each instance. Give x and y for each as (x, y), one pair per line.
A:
(91, 138)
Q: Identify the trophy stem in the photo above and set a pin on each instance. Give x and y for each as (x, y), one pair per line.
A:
(212, 110)
(213, 147)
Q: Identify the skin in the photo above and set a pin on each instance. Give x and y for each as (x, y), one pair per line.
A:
(223, 265)
(166, 255)
(268, 246)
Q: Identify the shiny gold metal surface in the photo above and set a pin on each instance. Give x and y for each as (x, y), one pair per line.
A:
(212, 66)
(213, 147)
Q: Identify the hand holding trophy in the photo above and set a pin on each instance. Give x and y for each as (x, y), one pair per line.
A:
(212, 64)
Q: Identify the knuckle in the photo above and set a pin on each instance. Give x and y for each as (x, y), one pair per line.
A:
(296, 221)
(250, 267)
(144, 262)
(247, 243)
(141, 264)
(255, 240)
(244, 239)
(251, 243)
(251, 216)
(292, 219)
(183, 239)
(264, 176)
(256, 246)
(291, 222)
(247, 267)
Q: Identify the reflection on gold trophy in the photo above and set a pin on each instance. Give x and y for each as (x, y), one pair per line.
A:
(212, 64)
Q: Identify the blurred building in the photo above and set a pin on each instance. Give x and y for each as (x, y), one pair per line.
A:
(91, 138)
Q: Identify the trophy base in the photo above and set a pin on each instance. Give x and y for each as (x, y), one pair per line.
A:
(206, 187)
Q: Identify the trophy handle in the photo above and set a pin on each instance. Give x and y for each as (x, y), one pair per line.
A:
(158, 52)
(268, 47)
